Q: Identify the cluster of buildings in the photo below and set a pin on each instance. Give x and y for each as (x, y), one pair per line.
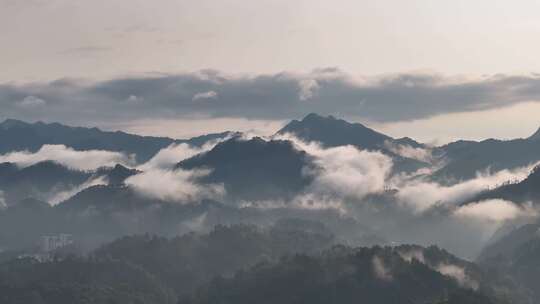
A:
(53, 242)
(48, 245)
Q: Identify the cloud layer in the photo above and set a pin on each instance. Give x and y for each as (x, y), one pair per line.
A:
(175, 186)
(160, 180)
(280, 96)
(421, 194)
(58, 197)
(495, 210)
(80, 160)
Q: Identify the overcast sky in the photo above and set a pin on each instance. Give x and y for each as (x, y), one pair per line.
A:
(434, 70)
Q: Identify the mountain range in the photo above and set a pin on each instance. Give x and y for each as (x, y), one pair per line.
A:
(22, 136)
(462, 159)
(300, 206)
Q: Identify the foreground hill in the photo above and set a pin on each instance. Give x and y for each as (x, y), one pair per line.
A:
(151, 270)
(516, 256)
(78, 280)
(186, 262)
(363, 275)
(290, 262)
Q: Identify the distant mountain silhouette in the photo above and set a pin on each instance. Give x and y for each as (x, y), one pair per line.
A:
(38, 180)
(18, 135)
(463, 159)
(333, 132)
(466, 158)
(43, 179)
(254, 169)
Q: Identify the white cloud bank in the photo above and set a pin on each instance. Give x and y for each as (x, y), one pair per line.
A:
(80, 160)
(421, 154)
(421, 195)
(349, 173)
(168, 157)
(61, 196)
(342, 173)
(494, 210)
(174, 185)
(458, 274)
(160, 180)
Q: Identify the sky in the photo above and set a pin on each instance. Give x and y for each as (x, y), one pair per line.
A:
(433, 70)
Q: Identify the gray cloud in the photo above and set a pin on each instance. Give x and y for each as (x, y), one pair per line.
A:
(275, 97)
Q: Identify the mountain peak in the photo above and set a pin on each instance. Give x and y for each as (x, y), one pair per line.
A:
(331, 131)
(254, 169)
(317, 117)
(330, 119)
(118, 174)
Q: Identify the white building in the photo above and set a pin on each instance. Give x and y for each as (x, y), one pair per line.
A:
(53, 242)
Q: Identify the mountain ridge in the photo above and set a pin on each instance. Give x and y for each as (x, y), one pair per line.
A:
(18, 135)
(332, 132)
